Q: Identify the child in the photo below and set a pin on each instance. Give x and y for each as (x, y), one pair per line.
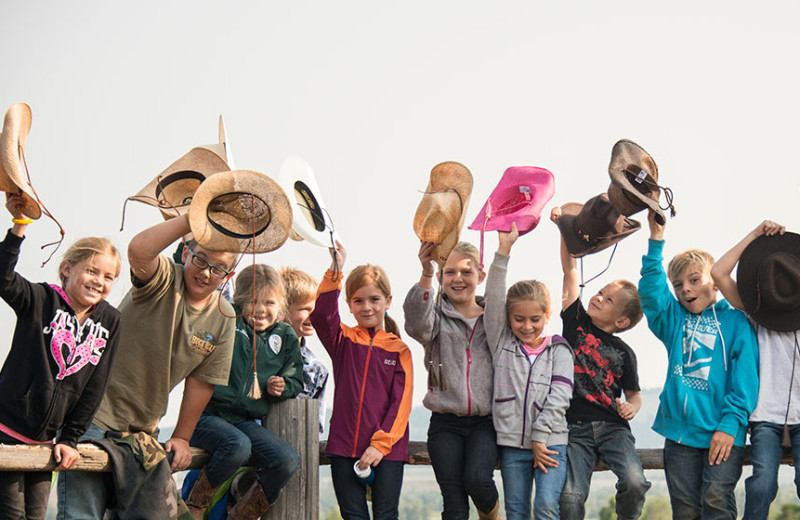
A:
(778, 405)
(712, 380)
(229, 427)
(532, 390)
(57, 368)
(605, 367)
(173, 328)
(461, 437)
(372, 398)
(301, 290)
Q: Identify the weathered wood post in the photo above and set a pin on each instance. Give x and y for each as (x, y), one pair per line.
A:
(297, 422)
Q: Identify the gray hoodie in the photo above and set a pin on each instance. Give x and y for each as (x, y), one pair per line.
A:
(530, 398)
(456, 355)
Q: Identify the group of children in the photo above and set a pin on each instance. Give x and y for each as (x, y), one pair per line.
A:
(500, 388)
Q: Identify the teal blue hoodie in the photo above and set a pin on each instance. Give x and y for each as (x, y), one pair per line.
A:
(712, 384)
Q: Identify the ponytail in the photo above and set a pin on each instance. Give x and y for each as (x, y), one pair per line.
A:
(390, 325)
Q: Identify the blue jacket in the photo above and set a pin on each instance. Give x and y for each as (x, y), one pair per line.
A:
(712, 385)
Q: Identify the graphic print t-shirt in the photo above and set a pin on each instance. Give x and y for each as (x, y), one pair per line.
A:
(604, 367)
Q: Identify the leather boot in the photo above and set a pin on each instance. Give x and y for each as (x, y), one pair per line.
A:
(494, 514)
(200, 496)
(251, 506)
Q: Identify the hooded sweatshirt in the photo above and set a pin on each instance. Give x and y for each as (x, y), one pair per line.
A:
(712, 376)
(530, 397)
(373, 378)
(457, 356)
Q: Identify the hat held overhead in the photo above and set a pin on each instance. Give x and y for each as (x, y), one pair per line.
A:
(312, 222)
(13, 172)
(443, 208)
(240, 211)
(594, 226)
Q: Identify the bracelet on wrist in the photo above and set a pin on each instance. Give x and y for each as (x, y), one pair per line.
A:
(22, 221)
(426, 275)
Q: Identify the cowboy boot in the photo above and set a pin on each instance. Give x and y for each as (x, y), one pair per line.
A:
(494, 514)
(200, 496)
(251, 506)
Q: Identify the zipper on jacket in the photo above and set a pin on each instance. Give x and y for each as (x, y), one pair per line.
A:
(47, 416)
(525, 401)
(469, 336)
(361, 397)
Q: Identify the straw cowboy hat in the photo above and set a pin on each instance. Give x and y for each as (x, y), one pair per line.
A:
(634, 181)
(240, 211)
(768, 279)
(519, 197)
(172, 190)
(594, 226)
(13, 176)
(311, 222)
(443, 208)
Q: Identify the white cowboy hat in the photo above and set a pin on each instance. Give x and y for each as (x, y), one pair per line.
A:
(312, 222)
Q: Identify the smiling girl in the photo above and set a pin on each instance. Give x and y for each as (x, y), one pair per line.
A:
(373, 384)
(57, 368)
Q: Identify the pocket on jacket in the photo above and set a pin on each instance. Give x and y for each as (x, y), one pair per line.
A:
(504, 407)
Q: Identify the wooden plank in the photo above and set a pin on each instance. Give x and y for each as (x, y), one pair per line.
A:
(19, 457)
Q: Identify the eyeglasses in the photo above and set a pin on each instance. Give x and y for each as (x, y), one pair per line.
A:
(202, 264)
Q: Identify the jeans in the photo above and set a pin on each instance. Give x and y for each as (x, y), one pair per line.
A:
(765, 454)
(351, 494)
(23, 494)
(697, 489)
(615, 444)
(519, 475)
(463, 453)
(245, 444)
(82, 495)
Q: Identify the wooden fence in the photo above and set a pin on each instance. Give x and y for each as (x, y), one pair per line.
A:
(296, 421)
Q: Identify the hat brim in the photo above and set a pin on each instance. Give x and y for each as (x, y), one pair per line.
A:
(576, 246)
(312, 221)
(212, 236)
(625, 152)
(13, 179)
(747, 281)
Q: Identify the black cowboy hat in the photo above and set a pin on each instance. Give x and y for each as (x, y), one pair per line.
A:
(594, 226)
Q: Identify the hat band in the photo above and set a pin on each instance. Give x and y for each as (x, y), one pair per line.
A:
(311, 204)
(175, 177)
(241, 236)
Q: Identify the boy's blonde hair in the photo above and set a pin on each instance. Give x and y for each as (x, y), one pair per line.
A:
(528, 291)
(86, 248)
(263, 277)
(632, 307)
(470, 251)
(689, 258)
(371, 275)
(300, 286)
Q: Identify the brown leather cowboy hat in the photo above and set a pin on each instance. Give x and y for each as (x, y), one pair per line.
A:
(240, 211)
(634, 181)
(594, 226)
(13, 177)
(443, 208)
(768, 279)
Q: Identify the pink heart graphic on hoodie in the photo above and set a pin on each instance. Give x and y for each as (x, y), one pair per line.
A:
(87, 352)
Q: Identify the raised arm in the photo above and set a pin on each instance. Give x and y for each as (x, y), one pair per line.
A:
(570, 289)
(495, 319)
(721, 272)
(145, 247)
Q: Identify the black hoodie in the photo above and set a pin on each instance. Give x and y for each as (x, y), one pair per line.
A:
(56, 371)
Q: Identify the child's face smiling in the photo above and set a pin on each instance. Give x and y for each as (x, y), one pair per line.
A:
(606, 308)
(264, 312)
(199, 284)
(460, 279)
(527, 321)
(695, 289)
(298, 318)
(368, 305)
(89, 281)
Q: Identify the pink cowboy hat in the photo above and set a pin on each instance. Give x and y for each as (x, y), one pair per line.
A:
(519, 197)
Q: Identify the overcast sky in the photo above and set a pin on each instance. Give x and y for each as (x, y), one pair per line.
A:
(373, 95)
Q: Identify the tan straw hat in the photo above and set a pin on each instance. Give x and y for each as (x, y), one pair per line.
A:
(240, 211)
(172, 190)
(443, 208)
(13, 176)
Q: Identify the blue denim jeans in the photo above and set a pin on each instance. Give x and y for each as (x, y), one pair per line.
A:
(245, 444)
(23, 494)
(615, 444)
(697, 489)
(82, 495)
(765, 454)
(463, 453)
(351, 493)
(518, 478)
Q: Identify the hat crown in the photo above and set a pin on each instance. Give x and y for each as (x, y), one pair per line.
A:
(779, 281)
(597, 218)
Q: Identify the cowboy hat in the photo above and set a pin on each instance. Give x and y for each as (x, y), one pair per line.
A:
(443, 208)
(311, 222)
(594, 226)
(240, 211)
(519, 197)
(768, 279)
(172, 190)
(13, 176)
(634, 181)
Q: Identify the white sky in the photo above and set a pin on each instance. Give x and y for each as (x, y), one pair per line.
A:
(373, 95)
